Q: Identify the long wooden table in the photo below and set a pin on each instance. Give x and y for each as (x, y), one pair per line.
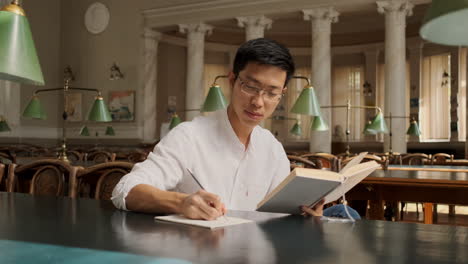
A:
(64, 230)
(426, 184)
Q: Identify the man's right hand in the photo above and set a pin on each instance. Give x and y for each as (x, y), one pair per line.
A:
(203, 205)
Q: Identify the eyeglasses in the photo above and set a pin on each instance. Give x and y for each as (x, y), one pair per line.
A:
(267, 95)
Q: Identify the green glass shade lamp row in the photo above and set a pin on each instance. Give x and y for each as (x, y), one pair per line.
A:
(444, 22)
(214, 101)
(18, 56)
(85, 131)
(99, 111)
(4, 127)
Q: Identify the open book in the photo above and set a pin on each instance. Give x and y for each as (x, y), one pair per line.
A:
(309, 186)
(220, 222)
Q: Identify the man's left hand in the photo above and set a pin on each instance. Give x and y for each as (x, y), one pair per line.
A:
(317, 210)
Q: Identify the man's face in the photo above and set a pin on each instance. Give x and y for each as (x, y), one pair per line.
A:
(256, 92)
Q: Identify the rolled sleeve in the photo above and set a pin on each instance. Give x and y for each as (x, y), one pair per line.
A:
(163, 168)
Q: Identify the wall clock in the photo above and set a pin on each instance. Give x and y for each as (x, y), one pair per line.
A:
(96, 18)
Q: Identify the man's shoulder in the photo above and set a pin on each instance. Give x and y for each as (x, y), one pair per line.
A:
(267, 138)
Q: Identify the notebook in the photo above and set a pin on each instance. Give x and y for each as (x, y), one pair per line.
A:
(220, 222)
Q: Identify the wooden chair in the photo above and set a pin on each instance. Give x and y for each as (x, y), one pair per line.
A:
(99, 180)
(298, 162)
(441, 159)
(100, 156)
(75, 156)
(2, 172)
(416, 159)
(42, 177)
(137, 156)
(327, 160)
(383, 161)
(7, 157)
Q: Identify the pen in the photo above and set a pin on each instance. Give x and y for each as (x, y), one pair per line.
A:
(201, 187)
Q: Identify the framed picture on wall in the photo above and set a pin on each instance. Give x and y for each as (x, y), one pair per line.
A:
(122, 105)
(73, 107)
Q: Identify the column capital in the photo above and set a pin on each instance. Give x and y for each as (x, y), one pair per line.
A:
(403, 6)
(149, 33)
(254, 21)
(201, 28)
(322, 13)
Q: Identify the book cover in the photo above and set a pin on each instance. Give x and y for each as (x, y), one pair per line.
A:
(309, 186)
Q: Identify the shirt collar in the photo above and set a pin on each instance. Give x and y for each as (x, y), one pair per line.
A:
(232, 135)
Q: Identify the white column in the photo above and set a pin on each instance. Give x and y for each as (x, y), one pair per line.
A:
(395, 69)
(321, 19)
(255, 26)
(415, 57)
(195, 64)
(150, 57)
(454, 86)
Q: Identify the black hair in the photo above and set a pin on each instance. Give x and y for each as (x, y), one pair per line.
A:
(265, 52)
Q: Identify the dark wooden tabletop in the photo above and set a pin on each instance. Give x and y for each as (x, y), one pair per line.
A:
(422, 174)
(56, 230)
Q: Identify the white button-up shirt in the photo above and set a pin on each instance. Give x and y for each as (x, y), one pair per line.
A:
(209, 148)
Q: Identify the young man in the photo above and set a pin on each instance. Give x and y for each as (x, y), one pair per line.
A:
(235, 160)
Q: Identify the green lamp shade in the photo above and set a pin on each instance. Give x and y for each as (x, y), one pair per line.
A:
(445, 21)
(307, 103)
(99, 112)
(18, 58)
(34, 109)
(367, 130)
(4, 127)
(110, 131)
(378, 124)
(413, 129)
(319, 124)
(175, 120)
(84, 131)
(215, 100)
(296, 129)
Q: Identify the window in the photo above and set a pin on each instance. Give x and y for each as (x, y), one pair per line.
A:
(462, 96)
(434, 110)
(346, 85)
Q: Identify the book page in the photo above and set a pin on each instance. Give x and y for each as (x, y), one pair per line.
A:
(352, 178)
(356, 160)
(220, 222)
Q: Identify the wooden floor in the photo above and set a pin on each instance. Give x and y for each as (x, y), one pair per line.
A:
(443, 218)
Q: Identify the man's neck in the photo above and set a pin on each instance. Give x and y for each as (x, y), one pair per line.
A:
(242, 132)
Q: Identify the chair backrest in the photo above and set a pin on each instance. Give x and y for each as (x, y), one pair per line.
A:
(75, 156)
(297, 161)
(137, 156)
(416, 159)
(441, 158)
(2, 173)
(42, 177)
(327, 160)
(99, 180)
(100, 156)
(7, 157)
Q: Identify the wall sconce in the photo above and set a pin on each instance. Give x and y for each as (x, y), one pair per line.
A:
(367, 90)
(115, 73)
(445, 78)
(68, 74)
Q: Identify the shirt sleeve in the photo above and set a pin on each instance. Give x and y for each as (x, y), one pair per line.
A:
(282, 170)
(163, 168)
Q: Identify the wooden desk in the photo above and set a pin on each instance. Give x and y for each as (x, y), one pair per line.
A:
(426, 184)
(60, 230)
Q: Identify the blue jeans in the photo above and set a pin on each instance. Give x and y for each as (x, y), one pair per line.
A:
(339, 211)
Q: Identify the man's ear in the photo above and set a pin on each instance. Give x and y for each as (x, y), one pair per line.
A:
(232, 79)
(285, 89)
